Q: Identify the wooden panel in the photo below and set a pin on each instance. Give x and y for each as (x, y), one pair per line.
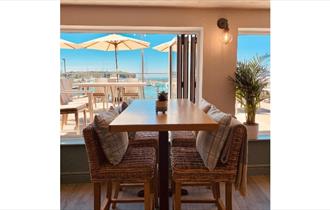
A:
(170, 72)
(181, 115)
(179, 67)
(192, 68)
(185, 66)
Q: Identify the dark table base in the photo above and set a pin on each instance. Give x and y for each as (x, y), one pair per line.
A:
(163, 170)
(183, 192)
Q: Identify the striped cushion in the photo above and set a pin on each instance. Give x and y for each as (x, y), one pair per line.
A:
(209, 144)
(114, 144)
(205, 106)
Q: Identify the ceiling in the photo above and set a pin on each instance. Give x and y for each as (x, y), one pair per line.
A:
(247, 4)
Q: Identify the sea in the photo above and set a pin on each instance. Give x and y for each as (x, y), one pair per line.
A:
(154, 86)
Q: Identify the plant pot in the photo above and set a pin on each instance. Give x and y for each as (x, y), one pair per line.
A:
(252, 130)
(161, 106)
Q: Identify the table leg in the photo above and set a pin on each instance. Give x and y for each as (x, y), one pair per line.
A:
(112, 96)
(76, 116)
(90, 107)
(106, 95)
(163, 170)
(118, 94)
(84, 118)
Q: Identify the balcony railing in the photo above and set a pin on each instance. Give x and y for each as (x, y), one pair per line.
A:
(156, 82)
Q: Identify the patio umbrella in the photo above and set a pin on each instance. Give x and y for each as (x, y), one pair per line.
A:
(165, 47)
(115, 42)
(68, 45)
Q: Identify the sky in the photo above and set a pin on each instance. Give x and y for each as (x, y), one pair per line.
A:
(88, 59)
(154, 61)
(251, 45)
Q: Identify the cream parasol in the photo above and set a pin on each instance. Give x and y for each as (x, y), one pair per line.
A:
(168, 47)
(115, 42)
(165, 47)
(68, 45)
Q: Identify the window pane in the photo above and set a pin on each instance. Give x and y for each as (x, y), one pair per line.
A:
(248, 47)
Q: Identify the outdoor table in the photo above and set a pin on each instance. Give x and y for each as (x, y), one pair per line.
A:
(112, 85)
(181, 114)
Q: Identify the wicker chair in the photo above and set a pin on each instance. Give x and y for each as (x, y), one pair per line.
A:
(183, 139)
(146, 138)
(188, 138)
(188, 167)
(141, 139)
(137, 166)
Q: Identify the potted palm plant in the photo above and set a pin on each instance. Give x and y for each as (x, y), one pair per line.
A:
(251, 78)
(161, 103)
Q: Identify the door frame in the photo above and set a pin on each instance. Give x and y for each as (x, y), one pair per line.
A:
(199, 31)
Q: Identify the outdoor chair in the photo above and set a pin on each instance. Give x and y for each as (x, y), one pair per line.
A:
(70, 106)
(131, 92)
(100, 92)
(188, 169)
(113, 90)
(73, 109)
(137, 166)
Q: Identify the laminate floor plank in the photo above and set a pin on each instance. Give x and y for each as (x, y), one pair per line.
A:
(80, 196)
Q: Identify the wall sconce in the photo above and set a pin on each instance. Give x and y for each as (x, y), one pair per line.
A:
(223, 24)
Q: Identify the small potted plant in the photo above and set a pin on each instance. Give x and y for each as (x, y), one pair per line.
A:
(251, 78)
(161, 103)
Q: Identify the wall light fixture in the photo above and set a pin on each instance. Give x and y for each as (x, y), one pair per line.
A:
(223, 24)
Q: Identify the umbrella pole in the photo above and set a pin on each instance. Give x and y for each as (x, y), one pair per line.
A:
(170, 72)
(142, 65)
(142, 76)
(116, 62)
(64, 67)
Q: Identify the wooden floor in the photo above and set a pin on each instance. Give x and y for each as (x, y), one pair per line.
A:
(80, 196)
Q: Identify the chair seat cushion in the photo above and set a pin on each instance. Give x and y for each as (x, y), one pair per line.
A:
(131, 94)
(145, 138)
(183, 139)
(138, 163)
(98, 94)
(187, 165)
(209, 144)
(114, 144)
(72, 107)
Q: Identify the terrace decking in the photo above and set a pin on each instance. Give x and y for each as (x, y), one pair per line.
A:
(80, 196)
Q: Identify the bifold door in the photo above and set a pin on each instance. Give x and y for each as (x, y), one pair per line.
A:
(186, 66)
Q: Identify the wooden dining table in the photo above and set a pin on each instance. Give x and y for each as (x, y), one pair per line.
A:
(181, 114)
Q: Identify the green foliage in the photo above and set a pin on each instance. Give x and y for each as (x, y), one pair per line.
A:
(162, 96)
(251, 77)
